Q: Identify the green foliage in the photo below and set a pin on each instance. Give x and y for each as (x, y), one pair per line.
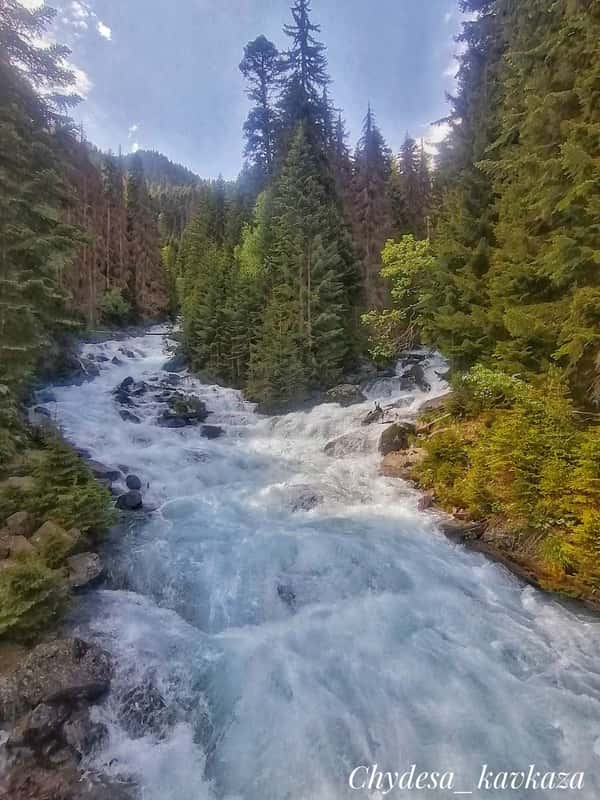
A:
(31, 597)
(114, 308)
(525, 458)
(407, 264)
(67, 493)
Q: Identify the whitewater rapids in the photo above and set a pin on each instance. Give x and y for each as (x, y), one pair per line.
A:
(301, 617)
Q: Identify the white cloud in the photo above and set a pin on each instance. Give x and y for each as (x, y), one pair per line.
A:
(135, 147)
(434, 135)
(104, 30)
(31, 4)
(80, 10)
(133, 129)
(448, 17)
(451, 70)
(83, 85)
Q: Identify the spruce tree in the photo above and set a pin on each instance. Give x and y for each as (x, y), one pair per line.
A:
(261, 66)
(372, 208)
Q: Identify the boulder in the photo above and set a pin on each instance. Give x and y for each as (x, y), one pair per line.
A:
(125, 385)
(67, 783)
(144, 710)
(82, 734)
(101, 471)
(130, 501)
(346, 394)
(172, 380)
(22, 523)
(426, 501)
(127, 353)
(212, 431)
(64, 670)
(133, 482)
(19, 546)
(84, 569)
(53, 542)
(4, 545)
(396, 437)
(127, 416)
(401, 464)
(347, 444)
(170, 420)
(175, 364)
(12, 704)
(416, 374)
(43, 722)
(435, 403)
(116, 361)
(139, 388)
(460, 531)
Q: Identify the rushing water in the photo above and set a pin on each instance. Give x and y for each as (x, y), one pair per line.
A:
(293, 645)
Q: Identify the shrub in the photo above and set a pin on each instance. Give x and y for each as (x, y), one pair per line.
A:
(114, 308)
(67, 492)
(31, 597)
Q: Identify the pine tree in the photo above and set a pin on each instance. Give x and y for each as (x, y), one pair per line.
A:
(35, 244)
(277, 375)
(372, 208)
(304, 99)
(261, 66)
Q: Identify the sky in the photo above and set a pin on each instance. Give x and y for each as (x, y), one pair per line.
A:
(163, 74)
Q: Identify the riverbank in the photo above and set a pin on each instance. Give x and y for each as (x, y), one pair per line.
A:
(436, 456)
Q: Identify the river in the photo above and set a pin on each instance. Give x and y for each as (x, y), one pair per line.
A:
(300, 617)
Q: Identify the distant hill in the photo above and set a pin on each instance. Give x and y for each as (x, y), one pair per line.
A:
(161, 170)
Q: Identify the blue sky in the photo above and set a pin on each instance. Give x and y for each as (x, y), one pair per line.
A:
(162, 74)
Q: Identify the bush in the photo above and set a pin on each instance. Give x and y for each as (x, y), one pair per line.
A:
(67, 492)
(31, 597)
(114, 308)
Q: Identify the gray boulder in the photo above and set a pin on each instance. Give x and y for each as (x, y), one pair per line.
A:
(38, 725)
(84, 569)
(212, 431)
(346, 394)
(64, 670)
(130, 501)
(82, 734)
(133, 482)
(175, 364)
(396, 437)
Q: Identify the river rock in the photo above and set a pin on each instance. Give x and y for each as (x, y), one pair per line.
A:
(54, 542)
(347, 444)
(64, 670)
(144, 710)
(127, 416)
(83, 569)
(133, 482)
(21, 523)
(38, 725)
(18, 546)
(375, 415)
(401, 464)
(461, 531)
(69, 783)
(212, 431)
(82, 734)
(170, 420)
(130, 501)
(125, 385)
(426, 501)
(175, 364)
(102, 471)
(435, 403)
(346, 394)
(396, 437)
(416, 374)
